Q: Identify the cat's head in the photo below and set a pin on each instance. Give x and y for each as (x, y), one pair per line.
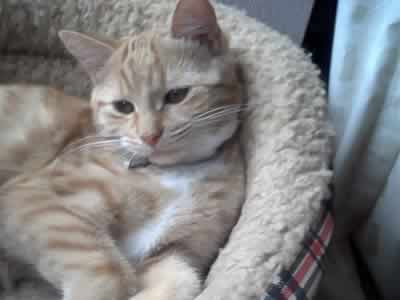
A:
(177, 93)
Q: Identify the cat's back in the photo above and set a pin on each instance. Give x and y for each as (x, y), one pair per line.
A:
(35, 124)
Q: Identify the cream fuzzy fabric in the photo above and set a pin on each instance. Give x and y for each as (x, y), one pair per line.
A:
(286, 140)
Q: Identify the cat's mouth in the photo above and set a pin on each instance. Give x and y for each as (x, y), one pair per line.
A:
(136, 153)
(157, 156)
(163, 152)
(142, 155)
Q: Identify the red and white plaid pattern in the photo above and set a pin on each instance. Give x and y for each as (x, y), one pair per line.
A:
(302, 280)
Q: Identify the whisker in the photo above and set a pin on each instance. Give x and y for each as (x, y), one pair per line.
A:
(93, 137)
(179, 130)
(106, 144)
(222, 109)
(219, 115)
(176, 138)
(214, 115)
(217, 109)
(174, 134)
(88, 140)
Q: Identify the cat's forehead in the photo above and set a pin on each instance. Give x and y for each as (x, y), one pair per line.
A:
(176, 61)
(135, 66)
(148, 47)
(139, 50)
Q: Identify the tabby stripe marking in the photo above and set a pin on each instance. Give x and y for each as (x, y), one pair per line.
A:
(29, 216)
(56, 244)
(85, 184)
(72, 229)
(107, 269)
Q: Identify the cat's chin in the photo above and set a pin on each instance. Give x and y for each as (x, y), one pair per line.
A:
(166, 160)
(177, 158)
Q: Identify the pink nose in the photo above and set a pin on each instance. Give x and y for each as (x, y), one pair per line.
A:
(151, 139)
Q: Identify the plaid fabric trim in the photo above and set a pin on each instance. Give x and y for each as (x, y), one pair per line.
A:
(302, 279)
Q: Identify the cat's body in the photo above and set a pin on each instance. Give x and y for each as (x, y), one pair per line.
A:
(36, 123)
(99, 231)
(182, 212)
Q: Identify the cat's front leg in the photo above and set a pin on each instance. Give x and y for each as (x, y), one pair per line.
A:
(170, 277)
(73, 254)
(101, 274)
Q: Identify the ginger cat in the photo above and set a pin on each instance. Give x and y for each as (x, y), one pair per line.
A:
(89, 225)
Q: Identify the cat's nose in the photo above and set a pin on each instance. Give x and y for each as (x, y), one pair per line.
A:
(151, 139)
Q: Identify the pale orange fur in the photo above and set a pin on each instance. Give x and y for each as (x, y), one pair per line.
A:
(36, 123)
(98, 230)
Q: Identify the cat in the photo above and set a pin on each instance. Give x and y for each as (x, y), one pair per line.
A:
(97, 230)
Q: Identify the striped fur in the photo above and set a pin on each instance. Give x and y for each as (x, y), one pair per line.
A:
(95, 229)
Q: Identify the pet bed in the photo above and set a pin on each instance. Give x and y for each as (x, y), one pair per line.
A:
(275, 249)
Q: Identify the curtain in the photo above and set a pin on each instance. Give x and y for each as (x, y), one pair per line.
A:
(364, 91)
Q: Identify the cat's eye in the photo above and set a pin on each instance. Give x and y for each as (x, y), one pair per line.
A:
(124, 106)
(175, 96)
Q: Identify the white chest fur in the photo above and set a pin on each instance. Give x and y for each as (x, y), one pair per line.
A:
(140, 243)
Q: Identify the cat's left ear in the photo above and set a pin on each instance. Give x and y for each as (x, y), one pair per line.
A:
(196, 20)
(91, 53)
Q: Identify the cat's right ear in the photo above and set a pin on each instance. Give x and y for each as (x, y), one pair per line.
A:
(91, 53)
(196, 20)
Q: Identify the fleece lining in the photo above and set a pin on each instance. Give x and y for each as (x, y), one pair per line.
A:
(286, 138)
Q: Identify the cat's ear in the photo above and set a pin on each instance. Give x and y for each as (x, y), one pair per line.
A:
(196, 20)
(91, 53)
